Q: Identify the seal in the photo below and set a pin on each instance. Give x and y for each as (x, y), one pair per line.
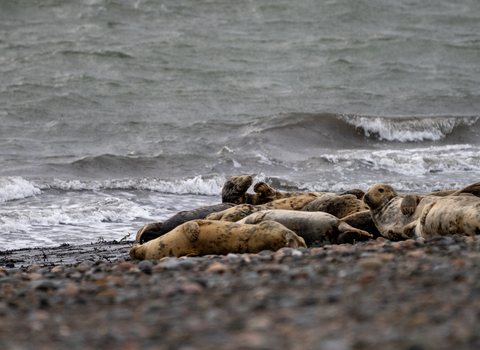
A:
(156, 229)
(392, 212)
(204, 237)
(235, 191)
(316, 228)
(240, 211)
(339, 205)
(446, 216)
(363, 221)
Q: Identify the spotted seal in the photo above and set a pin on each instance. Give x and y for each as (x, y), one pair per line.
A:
(446, 216)
(204, 237)
(316, 228)
(391, 212)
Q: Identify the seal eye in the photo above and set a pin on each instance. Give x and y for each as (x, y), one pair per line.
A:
(381, 190)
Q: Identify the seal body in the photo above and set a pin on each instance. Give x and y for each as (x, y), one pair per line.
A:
(240, 211)
(339, 205)
(386, 210)
(157, 229)
(203, 237)
(316, 228)
(235, 191)
(446, 216)
(395, 216)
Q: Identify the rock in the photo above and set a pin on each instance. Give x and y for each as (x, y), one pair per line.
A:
(372, 263)
(217, 268)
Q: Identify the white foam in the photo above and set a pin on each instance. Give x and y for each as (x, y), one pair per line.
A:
(197, 185)
(15, 187)
(408, 129)
(105, 210)
(412, 162)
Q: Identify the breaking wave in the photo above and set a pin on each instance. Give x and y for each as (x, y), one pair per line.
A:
(408, 129)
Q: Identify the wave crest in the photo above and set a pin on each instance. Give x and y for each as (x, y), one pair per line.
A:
(15, 187)
(408, 129)
(198, 185)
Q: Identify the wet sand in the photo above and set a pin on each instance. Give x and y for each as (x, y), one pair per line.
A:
(378, 294)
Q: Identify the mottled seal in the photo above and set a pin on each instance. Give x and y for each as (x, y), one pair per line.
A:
(339, 205)
(235, 191)
(387, 212)
(240, 211)
(446, 216)
(391, 212)
(203, 237)
(156, 229)
(316, 228)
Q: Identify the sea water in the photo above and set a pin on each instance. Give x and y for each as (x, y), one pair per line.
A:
(116, 113)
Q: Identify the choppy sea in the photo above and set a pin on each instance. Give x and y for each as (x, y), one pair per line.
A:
(116, 113)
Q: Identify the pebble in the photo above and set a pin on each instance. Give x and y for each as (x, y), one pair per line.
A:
(217, 268)
(301, 297)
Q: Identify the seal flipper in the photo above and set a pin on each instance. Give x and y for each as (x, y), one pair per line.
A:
(409, 204)
(191, 229)
(259, 217)
(294, 241)
(353, 232)
(264, 191)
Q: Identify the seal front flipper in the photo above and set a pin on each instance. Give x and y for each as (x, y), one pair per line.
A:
(191, 229)
(409, 204)
(294, 241)
(353, 232)
(264, 191)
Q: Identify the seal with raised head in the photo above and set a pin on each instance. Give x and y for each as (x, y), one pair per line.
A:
(240, 211)
(235, 191)
(316, 228)
(392, 212)
(156, 229)
(204, 237)
(446, 216)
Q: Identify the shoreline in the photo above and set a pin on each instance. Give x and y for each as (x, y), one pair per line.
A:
(65, 254)
(414, 295)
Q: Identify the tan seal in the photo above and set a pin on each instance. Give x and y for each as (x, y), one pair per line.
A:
(392, 212)
(316, 228)
(204, 237)
(240, 211)
(447, 216)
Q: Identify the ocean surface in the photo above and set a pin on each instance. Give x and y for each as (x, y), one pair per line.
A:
(117, 113)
